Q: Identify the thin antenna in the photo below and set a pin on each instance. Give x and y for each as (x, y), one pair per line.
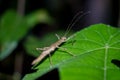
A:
(74, 20)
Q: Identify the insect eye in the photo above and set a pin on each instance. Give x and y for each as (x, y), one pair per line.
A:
(64, 38)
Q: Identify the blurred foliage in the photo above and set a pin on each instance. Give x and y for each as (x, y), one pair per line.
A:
(33, 42)
(39, 16)
(14, 27)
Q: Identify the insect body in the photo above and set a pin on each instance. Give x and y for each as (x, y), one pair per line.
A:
(48, 50)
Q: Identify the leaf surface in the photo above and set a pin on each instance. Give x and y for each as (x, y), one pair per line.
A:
(95, 47)
(13, 27)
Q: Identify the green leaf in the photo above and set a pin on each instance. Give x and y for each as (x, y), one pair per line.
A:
(39, 16)
(13, 28)
(7, 48)
(95, 47)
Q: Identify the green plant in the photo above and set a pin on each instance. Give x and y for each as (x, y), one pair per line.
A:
(14, 27)
(14, 30)
(95, 48)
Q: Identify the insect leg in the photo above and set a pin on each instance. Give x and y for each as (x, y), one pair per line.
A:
(57, 36)
(73, 42)
(42, 49)
(50, 59)
(64, 49)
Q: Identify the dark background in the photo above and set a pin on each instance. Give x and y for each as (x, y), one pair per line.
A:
(101, 11)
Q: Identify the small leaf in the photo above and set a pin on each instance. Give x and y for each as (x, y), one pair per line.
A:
(13, 28)
(94, 48)
(7, 48)
(40, 16)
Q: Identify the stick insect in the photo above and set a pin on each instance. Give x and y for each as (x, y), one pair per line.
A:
(52, 47)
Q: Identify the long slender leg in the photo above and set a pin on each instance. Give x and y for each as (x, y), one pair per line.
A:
(57, 36)
(73, 41)
(64, 49)
(42, 49)
(50, 59)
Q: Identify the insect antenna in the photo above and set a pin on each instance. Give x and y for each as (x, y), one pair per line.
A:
(74, 20)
